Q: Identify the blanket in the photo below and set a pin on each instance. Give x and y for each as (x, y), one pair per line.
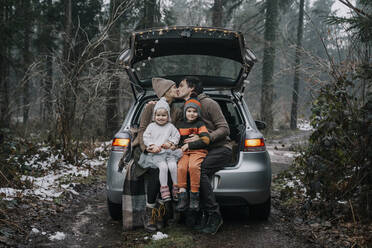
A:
(134, 198)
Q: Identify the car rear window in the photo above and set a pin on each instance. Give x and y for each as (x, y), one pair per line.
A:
(200, 65)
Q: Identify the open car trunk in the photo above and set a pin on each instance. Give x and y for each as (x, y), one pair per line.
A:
(232, 115)
(218, 56)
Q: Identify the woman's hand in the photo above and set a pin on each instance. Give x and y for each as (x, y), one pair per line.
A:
(167, 145)
(151, 102)
(185, 147)
(156, 149)
(192, 138)
(173, 147)
(153, 148)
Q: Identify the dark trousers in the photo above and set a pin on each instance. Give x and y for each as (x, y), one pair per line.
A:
(150, 175)
(152, 185)
(216, 159)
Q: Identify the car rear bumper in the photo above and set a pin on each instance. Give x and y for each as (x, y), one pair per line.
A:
(247, 183)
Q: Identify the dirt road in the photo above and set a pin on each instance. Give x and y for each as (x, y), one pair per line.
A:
(86, 223)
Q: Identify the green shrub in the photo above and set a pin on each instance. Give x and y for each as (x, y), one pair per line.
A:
(335, 167)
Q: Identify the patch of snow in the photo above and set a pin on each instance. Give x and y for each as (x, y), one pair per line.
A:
(304, 125)
(43, 233)
(35, 230)
(317, 196)
(44, 165)
(159, 235)
(57, 236)
(94, 162)
(10, 193)
(47, 187)
(74, 192)
(296, 183)
(99, 149)
(290, 154)
(45, 149)
(290, 184)
(57, 176)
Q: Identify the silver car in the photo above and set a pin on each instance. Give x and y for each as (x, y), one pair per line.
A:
(221, 60)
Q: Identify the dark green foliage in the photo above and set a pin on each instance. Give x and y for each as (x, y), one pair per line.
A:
(335, 168)
(360, 23)
(336, 165)
(15, 152)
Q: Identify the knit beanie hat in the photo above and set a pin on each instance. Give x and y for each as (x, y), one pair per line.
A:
(193, 102)
(161, 85)
(162, 104)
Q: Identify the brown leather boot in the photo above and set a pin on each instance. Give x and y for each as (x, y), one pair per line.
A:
(150, 219)
(160, 217)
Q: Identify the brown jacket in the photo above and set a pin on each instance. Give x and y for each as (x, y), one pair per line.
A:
(215, 121)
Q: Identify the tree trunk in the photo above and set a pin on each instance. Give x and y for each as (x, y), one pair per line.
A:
(66, 110)
(149, 13)
(48, 85)
(267, 91)
(4, 69)
(296, 80)
(112, 113)
(46, 51)
(217, 14)
(25, 9)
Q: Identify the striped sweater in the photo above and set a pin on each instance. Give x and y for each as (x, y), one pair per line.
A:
(196, 127)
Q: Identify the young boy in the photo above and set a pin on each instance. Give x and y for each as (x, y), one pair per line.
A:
(193, 154)
(158, 137)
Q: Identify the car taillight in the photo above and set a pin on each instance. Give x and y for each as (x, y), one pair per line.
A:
(119, 144)
(254, 145)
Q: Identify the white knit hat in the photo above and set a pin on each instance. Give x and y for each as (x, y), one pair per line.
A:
(162, 104)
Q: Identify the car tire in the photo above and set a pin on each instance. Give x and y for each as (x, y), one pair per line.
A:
(114, 210)
(260, 211)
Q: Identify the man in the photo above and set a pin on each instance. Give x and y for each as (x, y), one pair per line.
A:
(219, 151)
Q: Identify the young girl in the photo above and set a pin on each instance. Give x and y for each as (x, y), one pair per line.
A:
(158, 137)
(193, 153)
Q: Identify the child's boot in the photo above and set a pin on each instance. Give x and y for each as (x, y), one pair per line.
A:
(182, 201)
(194, 201)
(165, 194)
(175, 193)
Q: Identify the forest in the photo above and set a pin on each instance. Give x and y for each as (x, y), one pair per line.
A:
(63, 94)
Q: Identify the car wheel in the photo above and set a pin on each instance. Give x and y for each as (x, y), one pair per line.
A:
(114, 210)
(260, 211)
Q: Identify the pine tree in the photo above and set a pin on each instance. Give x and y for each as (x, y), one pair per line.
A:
(296, 80)
(267, 90)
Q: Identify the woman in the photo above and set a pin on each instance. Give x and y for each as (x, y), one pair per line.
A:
(154, 217)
